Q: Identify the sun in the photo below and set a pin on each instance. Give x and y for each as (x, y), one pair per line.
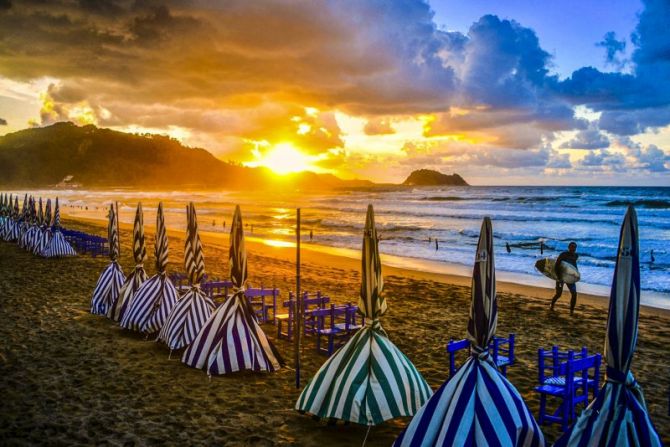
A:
(283, 158)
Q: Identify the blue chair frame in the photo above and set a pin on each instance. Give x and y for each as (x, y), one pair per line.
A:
(573, 392)
(500, 348)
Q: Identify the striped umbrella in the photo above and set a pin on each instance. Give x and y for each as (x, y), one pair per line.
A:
(368, 380)
(57, 246)
(618, 415)
(478, 406)
(156, 297)
(38, 238)
(112, 278)
(138, 276)
(27, 222)
(231, 339)
(13, 229)
(8, 222)
(192, 311)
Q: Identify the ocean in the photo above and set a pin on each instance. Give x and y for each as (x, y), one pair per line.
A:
(407, 219)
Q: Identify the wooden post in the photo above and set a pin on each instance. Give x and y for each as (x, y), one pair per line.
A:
(297, 313)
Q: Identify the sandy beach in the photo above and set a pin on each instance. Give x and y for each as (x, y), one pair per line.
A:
(70, 378)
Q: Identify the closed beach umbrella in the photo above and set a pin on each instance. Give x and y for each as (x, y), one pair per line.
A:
(13, 229)
(478, 406)
(57, 247)
(138, 275)
(46, 228)
(368, 380)
(192, 311)
(618, 415)
(8, 224)
(155, 297)
(112, 278)
(231, 339)
(38, 242)
(28, 222)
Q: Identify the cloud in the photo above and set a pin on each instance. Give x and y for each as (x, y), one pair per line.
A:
(378, 126)
(613, 47)
(639, 101)
(590, 138)
(603, 160)
(235, 73)
(3, 122)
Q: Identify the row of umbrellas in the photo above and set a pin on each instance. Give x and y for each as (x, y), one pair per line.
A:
(219, 340)
(33, 228)
(369, 380)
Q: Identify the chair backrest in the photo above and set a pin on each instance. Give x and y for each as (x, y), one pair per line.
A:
(260, 292)
(502, 345)
(452, 348)
(580, 368)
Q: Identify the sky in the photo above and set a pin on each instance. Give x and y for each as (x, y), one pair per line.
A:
(515, 92)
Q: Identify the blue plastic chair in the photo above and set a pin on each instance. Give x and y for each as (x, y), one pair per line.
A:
(571, 383)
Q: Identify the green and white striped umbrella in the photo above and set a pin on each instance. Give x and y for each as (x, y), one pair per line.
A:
(369, 380)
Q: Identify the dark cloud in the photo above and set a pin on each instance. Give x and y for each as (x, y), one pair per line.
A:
(630, 102)
(612, 48)
(559, 161)
(240, 72)
(590, 138)
(3, 122)
(603, 160)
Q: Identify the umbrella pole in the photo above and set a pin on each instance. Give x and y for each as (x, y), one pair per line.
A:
(297, 313)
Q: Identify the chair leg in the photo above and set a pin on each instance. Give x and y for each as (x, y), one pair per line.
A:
(543, 408)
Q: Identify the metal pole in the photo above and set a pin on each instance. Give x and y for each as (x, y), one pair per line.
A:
(297, 314)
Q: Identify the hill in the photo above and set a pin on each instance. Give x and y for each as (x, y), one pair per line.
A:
(95, 157)
(428, 177)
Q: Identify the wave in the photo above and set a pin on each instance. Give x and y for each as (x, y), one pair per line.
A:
(445, 199)
(643, 203)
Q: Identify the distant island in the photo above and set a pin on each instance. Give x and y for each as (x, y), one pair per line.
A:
(428, 177)
(64, 155)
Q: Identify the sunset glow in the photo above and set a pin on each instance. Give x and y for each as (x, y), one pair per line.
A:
(283, 158)
(494, 91)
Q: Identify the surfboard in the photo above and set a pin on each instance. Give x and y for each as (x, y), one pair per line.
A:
(567, 272)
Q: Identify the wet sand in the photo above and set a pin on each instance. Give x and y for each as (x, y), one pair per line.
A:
(71, 378)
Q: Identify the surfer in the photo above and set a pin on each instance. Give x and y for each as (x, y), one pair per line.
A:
(570, 257)
(509, 249)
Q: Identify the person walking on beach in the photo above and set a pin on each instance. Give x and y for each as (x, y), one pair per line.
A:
(541, 247)
(436, 245)
(311, 235)
(570, 257)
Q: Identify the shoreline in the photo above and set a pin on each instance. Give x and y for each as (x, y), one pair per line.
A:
(454, 274)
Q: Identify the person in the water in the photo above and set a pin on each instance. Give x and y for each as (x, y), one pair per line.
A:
(570, 257)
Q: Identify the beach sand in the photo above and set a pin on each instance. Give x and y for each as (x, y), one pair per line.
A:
(70, 378)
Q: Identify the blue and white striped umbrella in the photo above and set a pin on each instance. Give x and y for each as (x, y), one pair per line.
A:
(57, 247)
(138, 275)
(27, 223)
(478, 406)
(618, 415)
(192, 311)
(112, 278)
(368, 380)
(231, 339)
(46, 229)
(156, 297)
(13, 229)
(7, 230)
